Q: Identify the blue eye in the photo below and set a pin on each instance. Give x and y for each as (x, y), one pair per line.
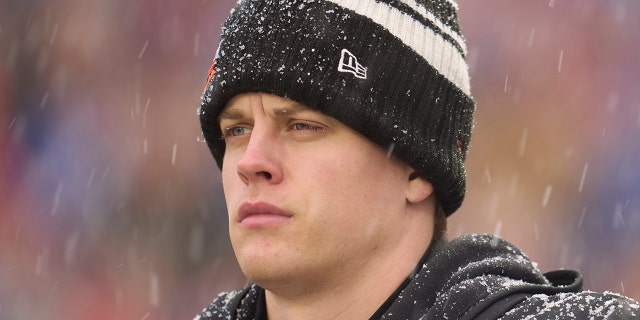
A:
(239, 131)
(236, 132)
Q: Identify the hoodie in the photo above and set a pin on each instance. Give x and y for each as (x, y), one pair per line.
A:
(470, 277)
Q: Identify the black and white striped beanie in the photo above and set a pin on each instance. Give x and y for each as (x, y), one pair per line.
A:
(393, 70)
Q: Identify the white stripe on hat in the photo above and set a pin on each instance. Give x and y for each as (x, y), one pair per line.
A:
(446, 29)
(437, 51)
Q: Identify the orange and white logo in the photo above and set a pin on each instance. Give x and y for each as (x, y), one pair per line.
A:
(212, 71)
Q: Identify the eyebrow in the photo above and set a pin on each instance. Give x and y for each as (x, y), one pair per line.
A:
(231, 114)
(288, 109)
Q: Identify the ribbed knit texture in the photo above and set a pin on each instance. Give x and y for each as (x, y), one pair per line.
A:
(414, 98)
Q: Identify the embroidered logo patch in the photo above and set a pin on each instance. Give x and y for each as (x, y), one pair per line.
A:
(349, 63)
(212, 71)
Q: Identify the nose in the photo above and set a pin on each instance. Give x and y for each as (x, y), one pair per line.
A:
(262, 158)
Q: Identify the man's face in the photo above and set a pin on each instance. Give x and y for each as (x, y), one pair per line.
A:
(308, 197)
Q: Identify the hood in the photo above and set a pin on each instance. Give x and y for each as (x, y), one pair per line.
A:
(465, 277)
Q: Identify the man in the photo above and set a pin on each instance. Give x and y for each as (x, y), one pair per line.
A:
(341, 127)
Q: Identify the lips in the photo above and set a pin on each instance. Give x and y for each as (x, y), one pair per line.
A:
(261, 214)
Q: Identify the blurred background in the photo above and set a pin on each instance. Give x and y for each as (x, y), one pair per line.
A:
(111, 205)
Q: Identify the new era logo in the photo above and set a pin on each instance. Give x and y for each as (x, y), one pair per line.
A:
(349, 63)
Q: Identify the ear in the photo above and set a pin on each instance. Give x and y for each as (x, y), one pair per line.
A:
(418, 188)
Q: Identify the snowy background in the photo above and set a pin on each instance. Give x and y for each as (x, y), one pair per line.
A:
(111, 206)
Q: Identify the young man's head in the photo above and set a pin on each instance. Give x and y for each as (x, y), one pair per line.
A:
(309, 197)
(341, 127)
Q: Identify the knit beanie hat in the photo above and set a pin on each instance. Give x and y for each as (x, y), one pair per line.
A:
(393, 70)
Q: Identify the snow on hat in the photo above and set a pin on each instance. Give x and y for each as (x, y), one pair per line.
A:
(393, 70)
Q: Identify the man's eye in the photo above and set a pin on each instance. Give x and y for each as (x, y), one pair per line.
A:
(300, 126)
(236, 132)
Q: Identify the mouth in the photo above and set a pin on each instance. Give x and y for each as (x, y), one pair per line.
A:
(261, 214)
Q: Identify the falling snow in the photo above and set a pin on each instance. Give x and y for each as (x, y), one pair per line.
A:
(547, 195)
(100, 212)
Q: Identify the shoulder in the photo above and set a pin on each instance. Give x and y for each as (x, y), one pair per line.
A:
(576, 305)
(231, 305)
(492, 279)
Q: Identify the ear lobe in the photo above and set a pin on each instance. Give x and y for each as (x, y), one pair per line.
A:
(418, 189)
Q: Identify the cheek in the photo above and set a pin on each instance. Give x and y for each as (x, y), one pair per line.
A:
(348, 214)
(230, 180)
(355, 191)
(227, 174)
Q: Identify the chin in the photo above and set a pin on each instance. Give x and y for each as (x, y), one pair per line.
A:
(258, 263)
(267, 276)
(269, 270)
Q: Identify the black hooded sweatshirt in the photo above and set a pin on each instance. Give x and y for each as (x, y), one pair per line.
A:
(471, 277)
